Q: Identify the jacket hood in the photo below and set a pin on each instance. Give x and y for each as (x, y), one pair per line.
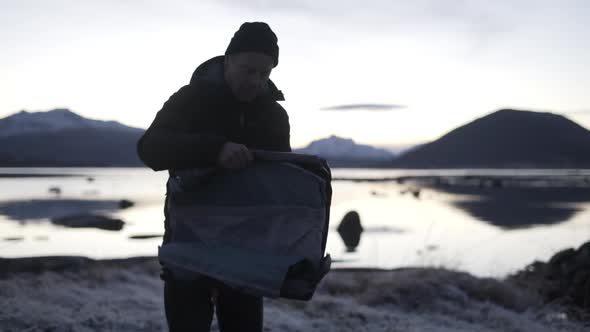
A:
(210, 72)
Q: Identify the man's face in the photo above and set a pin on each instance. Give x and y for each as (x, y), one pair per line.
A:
(247, 74)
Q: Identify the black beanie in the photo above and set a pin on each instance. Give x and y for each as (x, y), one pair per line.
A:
(255, 37)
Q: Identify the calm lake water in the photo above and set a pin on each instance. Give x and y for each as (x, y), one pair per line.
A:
(488, 231)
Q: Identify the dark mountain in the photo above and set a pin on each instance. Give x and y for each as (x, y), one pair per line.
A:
(503, 139)
(506, 139)
(63, 138)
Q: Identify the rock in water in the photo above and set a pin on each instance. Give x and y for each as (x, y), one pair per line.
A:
(124, 203)
(55, 190)
(350, 230)
(90, 221)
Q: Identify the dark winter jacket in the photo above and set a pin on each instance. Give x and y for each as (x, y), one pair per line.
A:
(196, 121)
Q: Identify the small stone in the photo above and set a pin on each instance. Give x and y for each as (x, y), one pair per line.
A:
(124, 203)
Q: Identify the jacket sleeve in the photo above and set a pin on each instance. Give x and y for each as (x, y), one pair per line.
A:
(282, 142)
(170, 144)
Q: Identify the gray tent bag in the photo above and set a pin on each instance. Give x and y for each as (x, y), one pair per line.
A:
(262, 229)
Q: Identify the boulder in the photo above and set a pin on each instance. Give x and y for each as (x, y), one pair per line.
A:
(565, 278)
(350, 230)
(89, 221)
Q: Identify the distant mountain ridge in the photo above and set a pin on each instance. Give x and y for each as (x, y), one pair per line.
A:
(61, 137)
(503, 139)
(506, 139)
(58, 119)
(344, 152)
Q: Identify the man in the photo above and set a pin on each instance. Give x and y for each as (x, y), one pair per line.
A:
(229, 107)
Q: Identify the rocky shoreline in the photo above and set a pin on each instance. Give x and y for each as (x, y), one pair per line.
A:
(81, 294)
(564, 279)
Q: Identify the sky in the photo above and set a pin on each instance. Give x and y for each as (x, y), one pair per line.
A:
(438, 64)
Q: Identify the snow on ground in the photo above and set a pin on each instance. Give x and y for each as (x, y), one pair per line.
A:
(78, 294)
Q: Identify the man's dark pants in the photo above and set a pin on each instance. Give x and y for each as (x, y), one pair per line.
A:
(189, 306)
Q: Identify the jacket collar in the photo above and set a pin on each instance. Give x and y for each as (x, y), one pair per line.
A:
(210, 72)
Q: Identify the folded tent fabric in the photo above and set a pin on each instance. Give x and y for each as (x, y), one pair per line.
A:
(262, 229)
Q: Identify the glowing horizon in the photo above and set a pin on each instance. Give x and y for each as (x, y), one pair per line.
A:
(448, 64)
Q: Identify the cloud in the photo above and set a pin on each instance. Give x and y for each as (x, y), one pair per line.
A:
(480, 17)
(363, 107)
(481, 25)
(304, 6)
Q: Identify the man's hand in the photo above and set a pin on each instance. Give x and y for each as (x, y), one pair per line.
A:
(234, 156)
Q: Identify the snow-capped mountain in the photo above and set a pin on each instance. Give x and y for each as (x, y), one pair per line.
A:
(25, 122)
(335, 146)
(63, 138)
(345, 152)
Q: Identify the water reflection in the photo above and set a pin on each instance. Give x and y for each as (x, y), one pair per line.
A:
(513, 208)
(90, 221)
(13, 239)
(25, 211)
